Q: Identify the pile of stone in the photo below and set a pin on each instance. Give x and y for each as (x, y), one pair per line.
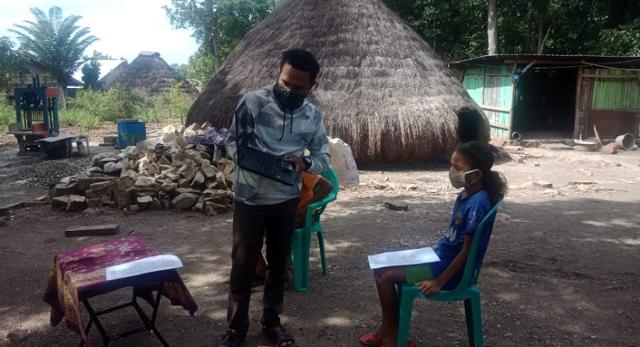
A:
(161, 173)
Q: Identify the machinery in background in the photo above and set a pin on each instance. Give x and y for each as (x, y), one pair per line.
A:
(37, 126)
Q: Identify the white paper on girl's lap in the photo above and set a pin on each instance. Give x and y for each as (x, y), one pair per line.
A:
(143, 266)
(403, 258)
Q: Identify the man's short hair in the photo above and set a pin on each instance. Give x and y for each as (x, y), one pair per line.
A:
(302, 60)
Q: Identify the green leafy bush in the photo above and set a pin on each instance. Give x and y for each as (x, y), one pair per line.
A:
(89, 108)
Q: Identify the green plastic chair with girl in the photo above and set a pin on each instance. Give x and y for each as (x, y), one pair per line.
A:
(473, 213)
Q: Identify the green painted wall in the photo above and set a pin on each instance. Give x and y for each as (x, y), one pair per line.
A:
(491, 86)
(615, 94)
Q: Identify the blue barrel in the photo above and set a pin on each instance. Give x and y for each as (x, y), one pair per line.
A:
(130, 132)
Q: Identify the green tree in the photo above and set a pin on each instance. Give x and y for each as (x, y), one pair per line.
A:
(91, 75)
(54, 41)
(525, 26)
(218, 25)
(12, 63)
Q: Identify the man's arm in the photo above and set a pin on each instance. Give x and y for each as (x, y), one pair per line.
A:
(230, 141)
(319, 150)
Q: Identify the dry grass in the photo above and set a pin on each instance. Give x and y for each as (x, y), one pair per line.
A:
(382, 89)
(147, 75)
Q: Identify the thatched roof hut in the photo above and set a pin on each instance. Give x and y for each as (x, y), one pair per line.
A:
(148, 75)
(382, 89)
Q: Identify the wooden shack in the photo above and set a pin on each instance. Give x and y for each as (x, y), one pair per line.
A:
(555, 96)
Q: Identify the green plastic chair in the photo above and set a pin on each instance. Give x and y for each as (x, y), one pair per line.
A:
(302, 236)
(467, 291)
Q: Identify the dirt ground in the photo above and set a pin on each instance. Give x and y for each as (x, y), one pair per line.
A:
(561, 270)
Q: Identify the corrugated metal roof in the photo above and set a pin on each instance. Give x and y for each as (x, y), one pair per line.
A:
(498, 59)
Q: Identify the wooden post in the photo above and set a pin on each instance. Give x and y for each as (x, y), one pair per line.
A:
(576, 120)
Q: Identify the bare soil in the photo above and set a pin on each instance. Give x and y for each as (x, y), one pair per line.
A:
(561, 270)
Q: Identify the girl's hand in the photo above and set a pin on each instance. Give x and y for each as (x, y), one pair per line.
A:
(430, 287)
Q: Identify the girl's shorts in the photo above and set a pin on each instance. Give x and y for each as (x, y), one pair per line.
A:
(418, 273)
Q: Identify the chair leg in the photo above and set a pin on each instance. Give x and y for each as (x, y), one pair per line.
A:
(322, 256)
(468, 315)
(476, 338)
(405, 307)
(301, 243)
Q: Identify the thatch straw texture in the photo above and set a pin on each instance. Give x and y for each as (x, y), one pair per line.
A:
(382, 89)
(148, 75)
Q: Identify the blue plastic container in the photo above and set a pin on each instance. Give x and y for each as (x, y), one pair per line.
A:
(130, 132)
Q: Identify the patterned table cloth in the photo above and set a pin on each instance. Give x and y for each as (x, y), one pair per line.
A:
(80, 272)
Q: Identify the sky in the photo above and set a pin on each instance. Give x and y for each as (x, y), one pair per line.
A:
(124, 27)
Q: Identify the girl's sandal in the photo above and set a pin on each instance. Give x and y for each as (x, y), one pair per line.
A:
(370, 340)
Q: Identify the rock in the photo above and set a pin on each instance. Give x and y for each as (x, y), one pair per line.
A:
(68, 179)
(124, 192)
(188, 191)
(575, 183)
(77, 203)
(85, 181)
(113, 167)
(145, 182)
(199, 206)
(212, 209)
(71, 203)
(209, 170)
(169, 187)
(101, 158)
(222, 181)
(198, 180)
(184, 201)
(183, 183)
(164, 161)
(394, 207)
(61, 189)
(343, 163)
(129, 173)
(101, 186)
(543, 184)
(144, 202)
(59, 202)
(94, 169)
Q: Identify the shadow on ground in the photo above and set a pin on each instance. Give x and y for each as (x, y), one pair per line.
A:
(557, 273)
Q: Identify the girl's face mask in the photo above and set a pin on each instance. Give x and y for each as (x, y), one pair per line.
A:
(459, 179)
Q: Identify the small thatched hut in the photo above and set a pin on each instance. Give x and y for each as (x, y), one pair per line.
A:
(382, 89)
(148, 75)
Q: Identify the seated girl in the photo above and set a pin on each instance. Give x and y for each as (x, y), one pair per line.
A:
(470, 169)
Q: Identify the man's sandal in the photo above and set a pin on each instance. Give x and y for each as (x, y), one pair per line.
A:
(278, 334)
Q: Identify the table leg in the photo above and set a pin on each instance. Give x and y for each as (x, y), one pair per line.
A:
(94, 317)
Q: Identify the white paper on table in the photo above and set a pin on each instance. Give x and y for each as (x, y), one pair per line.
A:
(403, 258)
(143, 266)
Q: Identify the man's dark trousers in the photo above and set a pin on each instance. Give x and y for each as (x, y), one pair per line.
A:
(251, 224)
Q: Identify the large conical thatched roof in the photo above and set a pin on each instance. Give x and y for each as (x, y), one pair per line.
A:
(148, 74)
(382, 89)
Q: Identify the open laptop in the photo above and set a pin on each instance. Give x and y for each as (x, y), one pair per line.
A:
(259, 162)
(267, 165)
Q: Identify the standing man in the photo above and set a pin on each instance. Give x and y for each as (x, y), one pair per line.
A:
(278, 120)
